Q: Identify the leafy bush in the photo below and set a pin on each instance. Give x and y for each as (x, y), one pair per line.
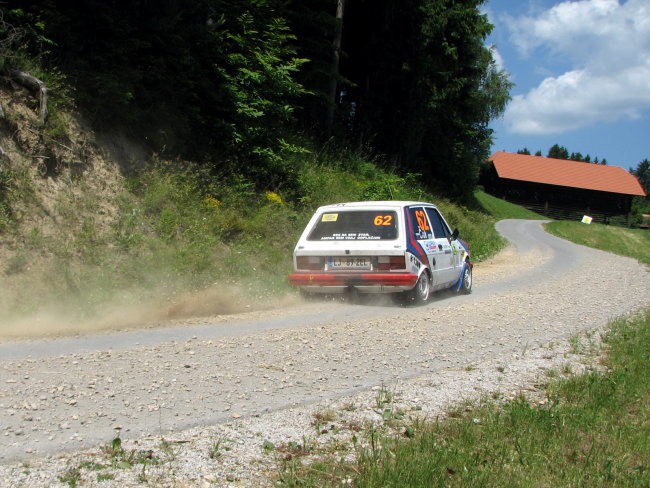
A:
(640, 206)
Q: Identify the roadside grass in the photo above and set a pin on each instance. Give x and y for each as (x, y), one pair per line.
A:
(476, 228)
(634, 243)
(590, 430)
(501, 209)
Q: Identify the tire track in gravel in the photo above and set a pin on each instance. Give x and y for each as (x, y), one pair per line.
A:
(66, 394)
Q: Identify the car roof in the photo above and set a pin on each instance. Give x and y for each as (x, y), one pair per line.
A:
(374, 204)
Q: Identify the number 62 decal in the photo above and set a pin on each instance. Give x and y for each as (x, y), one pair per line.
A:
(383, 220)
(422, 220)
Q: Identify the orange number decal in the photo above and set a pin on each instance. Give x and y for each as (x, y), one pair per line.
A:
(422, 220)
(383, 220)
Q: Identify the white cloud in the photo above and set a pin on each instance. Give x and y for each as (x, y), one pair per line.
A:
(496, 55)
(606, 45)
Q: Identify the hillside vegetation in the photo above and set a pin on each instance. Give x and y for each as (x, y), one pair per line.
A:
(107, 237)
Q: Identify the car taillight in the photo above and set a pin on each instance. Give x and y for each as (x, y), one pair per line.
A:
(311, 263)
(386, 263)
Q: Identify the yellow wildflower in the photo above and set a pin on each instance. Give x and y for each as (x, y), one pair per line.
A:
(212, 202)
(273, 197)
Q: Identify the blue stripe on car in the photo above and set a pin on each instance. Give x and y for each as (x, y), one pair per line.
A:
(462, 274)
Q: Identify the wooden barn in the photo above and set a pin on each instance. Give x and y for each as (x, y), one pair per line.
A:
(562, 189)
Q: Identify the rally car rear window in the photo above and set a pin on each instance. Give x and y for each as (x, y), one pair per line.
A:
(355, 225)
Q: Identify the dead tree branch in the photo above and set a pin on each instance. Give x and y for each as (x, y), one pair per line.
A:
(34, 84)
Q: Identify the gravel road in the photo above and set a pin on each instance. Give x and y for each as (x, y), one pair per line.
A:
(204, 395)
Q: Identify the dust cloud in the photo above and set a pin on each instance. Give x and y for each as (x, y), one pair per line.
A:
(68, 317)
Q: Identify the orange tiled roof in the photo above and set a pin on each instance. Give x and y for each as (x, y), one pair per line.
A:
(561, 172)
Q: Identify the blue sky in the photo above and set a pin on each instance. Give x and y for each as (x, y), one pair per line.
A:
(581, 71)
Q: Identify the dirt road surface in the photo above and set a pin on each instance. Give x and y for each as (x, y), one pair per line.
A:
(253, 370)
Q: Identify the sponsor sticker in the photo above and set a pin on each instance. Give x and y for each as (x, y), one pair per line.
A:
(330, 217)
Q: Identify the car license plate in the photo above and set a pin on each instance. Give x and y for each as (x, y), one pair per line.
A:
(348, 262)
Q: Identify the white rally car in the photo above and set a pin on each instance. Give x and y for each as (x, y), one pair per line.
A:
(381, 247)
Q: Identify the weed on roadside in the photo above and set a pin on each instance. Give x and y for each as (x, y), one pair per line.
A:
(71, 476)
(383, 397)
(220, 445)
(322, 418)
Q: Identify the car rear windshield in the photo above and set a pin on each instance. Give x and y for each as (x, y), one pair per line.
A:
(355, 225)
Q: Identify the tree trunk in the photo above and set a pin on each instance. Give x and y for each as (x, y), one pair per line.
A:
(34, 84)
(336, 56)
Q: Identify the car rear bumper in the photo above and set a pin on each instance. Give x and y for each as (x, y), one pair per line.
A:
(365, 282)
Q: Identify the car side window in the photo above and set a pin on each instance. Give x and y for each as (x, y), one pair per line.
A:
(440, 229)
(421, 227)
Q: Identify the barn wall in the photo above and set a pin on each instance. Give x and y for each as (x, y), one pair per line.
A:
(563, 203)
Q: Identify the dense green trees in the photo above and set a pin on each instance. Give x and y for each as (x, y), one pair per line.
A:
(641, 205)
(642, 173)
(422, 87)
(235, 83)
(558, 152)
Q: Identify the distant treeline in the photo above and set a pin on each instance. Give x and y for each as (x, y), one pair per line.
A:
(560, 152)
(241, 84)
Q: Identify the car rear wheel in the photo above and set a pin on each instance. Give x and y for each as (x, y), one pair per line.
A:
(422, 290)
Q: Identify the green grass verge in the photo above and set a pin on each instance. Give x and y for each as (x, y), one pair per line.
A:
(501, 209)
(592, 430)
(633, 243)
